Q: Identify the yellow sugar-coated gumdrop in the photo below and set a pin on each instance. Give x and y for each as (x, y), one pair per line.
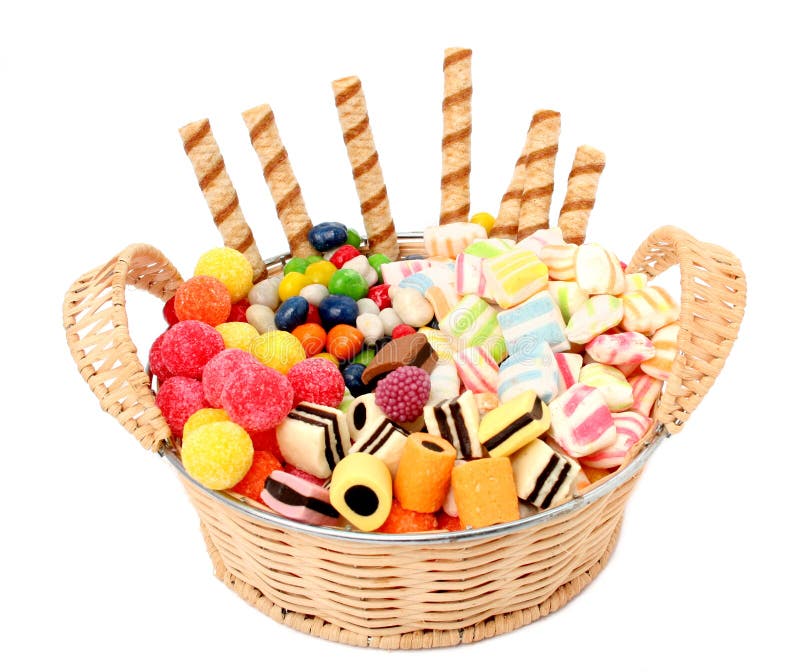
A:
(278, 350)
(217, 455)
(230, 267)
(484, 219)
(237, 334)
(205, 416)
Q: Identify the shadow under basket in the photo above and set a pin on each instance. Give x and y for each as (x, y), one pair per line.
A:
(420, 590)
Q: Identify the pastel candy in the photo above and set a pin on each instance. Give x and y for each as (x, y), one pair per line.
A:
(484, 492)
(581, 422)
(648, 309)
(477, 369)
(645, 392)
(631, 427)
(628, 347)
(423, 280)
(362, 412)
(611, 382)
(395, 271)
(441, 342)
(542, 476)
(537, 320)
(540, 238)
(665, 341)
(634, 281)
(314, 438)
(361, 265)
(513, 424)
(449, 240)
(361, 490)
(515, 276)
(560, 260)
(470, 275)
(389, 319)
(443, 298)
(383, 439)
(371, 327)
(445, 383)
(365, 305)
(600, 313)
(491, 247)
(486, 401)
(569, 368)
(298, 499)
(568, 296)
(537, 371)
(314, 293)
(598, 271)
(473, 322)
(456, 420)
(412, 307)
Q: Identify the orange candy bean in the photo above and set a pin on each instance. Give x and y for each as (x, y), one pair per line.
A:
(344, 341)
(312, 337)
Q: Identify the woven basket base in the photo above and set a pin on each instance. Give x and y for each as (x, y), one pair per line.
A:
(420, 639)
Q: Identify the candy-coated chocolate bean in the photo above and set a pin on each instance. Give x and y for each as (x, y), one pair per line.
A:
(353, 238)
(402, 330)
(390, 320)
(371, 326)
(344, 341)
(291, 313)
(347, 282)
(312, 337)
(380, 295)
(320, 272)
(291, 285)
(367, 305)
(411, 307)
(327, 235)
(344, 254)
(265, 293)
(365, 356)
(352, 379)
(295, 265)
(336, 309)
(314, 293)
(361, 266)
(261, 317)
(376, 261)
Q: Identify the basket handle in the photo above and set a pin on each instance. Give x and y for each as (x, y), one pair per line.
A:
(713, 294)
(96, 323)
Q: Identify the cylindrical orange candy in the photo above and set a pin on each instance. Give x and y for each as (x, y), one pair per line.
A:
(485, 492)
(423, 473)
(344, 341)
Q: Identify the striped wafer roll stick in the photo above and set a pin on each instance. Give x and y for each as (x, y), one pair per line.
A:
(534, 207)
(456, 136)
(581, 190)
(280, 178)
(352, 108)
(221, 197)
(505, 226)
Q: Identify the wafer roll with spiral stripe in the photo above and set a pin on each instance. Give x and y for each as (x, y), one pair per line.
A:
(534, 208)
(507, 221)
(221, 197)
(352, 108)
(457, 112)
(581, 189)
(280, 178)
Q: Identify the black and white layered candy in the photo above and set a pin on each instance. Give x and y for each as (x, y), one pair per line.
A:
(456, 420)
(543, 477)
(314, 438)
(383, 439)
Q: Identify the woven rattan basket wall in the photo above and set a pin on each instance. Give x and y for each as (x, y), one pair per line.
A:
(421, 590)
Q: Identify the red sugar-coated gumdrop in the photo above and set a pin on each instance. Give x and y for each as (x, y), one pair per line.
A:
(177, 398)
(257, 398)
(168, 311)
(264, 463)
(447, 523)
(291, 469)
(380, 295)
(317, 380)
(188, 346)
(403, 330)
(267, 441)
(344, 254)
(239, 311)
(403, 393)
(221, 369)
(158, 367)
(203, 298)
(402, 520)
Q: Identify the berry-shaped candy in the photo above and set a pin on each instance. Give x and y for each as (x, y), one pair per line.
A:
(158, 367)
(205, 416)
(352, 379)
(312, 337)
(291, 313)
(217, 455)
(237, 334)
(278, 349)
(292, 284)
(223, 368)
(327, 236)
(251, 485)
(403, 393)
(168, 311)
(177, 399)
(203, 298)
(344, 341)
(188, 346)
(348, 282)
(376, 261)
(320, 272)
(403, 330)
(295, 265)
(380, 295)
(258, 398)
(239, 311)
(230, 267)
(336, 309)
(318, 381)
(343, 254)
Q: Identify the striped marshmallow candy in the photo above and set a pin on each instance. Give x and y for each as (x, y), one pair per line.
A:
(449, 240)
(536, 370)
(515, 276)
(441, 342)
(634, 281)
(471, 276)
(631, 427)
(598, 271)
(600, 313)
(560, 260)
(430, 277)
(473, 322)
(537, 320)
(540, 238)
(666, 342)
(442, 298)
(611, 382)
(569, 369)
(568, 296)
(648, 309)
(645, 392)
(491, 247)
(445, 383)
(628, 348)
(394, 271)
(477, 369)
(581, 422)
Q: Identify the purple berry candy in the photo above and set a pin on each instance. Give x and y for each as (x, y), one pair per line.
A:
(403, 393)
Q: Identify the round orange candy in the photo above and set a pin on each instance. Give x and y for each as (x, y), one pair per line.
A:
(311, 337)
(344, 341)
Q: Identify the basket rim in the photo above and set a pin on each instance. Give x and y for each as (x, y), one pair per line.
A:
(618, 478)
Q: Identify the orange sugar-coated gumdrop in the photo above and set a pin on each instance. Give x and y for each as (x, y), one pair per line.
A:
(344, 341)
(264, 463)
(312, 337)
(402, 520)
(203, 298)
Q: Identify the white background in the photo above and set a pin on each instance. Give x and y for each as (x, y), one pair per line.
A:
(103, 565)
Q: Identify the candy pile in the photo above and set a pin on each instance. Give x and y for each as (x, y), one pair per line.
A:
(490, 379)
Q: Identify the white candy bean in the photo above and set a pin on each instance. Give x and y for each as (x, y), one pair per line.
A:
(261, 317)
(361, 265)
(314, 293)
(371, 326)
(265, 293)
(390, 319)
(367, 306)
(412, 308)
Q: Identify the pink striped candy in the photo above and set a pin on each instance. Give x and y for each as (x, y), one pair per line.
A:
(580, 421)
(395, 271)
(477, 369)
(629, 347)
(631, 427)
(569, 369)
(666, 341)
(645, 392)
(450, 240)
(540, 238)
(648, 309)
(471, 276)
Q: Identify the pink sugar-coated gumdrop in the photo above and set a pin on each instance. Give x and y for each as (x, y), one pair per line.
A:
(291, 469)
(221, 369)
(403, 330)
(188, 346)
(317, 380)
(239, 311)
(257, 398)
(168, 311)
(177, 398)
(203, 298)
(158, 367)
(403, 393)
